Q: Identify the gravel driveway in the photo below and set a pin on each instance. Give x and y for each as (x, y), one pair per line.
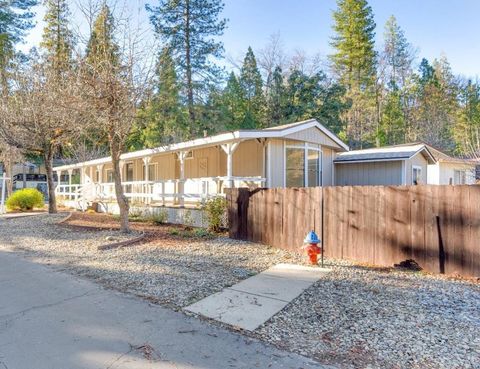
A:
(355, 317)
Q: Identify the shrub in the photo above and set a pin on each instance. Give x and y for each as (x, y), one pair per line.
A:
(25, 199)
(215, 209)
(161, 217)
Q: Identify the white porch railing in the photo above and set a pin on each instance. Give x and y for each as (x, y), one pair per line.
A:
(174, 191)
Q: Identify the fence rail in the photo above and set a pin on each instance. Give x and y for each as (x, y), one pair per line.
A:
(437, 226)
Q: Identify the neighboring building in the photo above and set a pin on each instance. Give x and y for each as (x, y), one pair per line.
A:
(293, 155)
(390, 165)
(449, 170)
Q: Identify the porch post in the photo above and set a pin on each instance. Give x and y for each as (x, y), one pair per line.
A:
(59, 175)
(146, 186)
(181, 184)
(229, 149)
(70, 173)
(100, 173)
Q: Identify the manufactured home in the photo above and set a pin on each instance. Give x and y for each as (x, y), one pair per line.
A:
(188, 173)
(449, 170)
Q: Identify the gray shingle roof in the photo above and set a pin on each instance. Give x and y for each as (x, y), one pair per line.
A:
(382, 153)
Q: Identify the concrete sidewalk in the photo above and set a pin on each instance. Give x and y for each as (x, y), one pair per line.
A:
(21, 215)
(52, 320)
(252, 302)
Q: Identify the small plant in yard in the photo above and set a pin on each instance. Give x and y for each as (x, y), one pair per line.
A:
(189, 232)
(25, 199)
(215, 209)
(159, 218)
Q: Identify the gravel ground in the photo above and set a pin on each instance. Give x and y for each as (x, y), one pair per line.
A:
(354, 317)
(363, 318)
(172, 271)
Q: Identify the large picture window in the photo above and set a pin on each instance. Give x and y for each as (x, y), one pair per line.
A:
(313, 168)
(151, 172)
(295, 166)
(302, 167)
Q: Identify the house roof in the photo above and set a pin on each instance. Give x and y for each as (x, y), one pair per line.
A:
(222, 138)
(387, 153)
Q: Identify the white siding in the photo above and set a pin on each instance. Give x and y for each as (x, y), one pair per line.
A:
(276, 163)
(313, 135)
(433, 174)
(443, 173)
(417, 160)
(327, 166)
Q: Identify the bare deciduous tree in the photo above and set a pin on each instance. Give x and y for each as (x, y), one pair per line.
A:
(113, 82)
(37, 116)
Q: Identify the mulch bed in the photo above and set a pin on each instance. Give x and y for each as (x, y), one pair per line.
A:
(98, 221)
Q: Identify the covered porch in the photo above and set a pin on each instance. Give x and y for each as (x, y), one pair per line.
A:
(169, 176)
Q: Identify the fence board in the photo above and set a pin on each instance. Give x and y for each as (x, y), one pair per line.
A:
(437, 226)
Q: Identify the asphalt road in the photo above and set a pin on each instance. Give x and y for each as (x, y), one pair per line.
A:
(52, 320)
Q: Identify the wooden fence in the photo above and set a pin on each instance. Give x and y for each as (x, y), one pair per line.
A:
(437, 226)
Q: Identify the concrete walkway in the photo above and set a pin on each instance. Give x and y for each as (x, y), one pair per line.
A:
(21, 215)
(50, 319)
(252, 302)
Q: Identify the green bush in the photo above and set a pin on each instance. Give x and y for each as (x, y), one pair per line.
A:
(215, 209)
(25, 199)
(161, 217)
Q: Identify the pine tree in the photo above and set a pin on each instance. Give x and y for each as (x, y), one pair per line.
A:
(354, 63)
(163, 117)
(233, 103)
(57, 40)
(252, 86)
(276, 99)
(397, 55)
(397, 58)
(189, 28)
(437, 104)
(102, 47)
(315, 97)
(354, 59)
(392, 127)
(466, 131)
(16, 18)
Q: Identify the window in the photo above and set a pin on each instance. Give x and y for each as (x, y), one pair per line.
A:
(109, 176)
(151, 172)
(129, 172)
(460, 177)
(313, 168)
(295, 166)
(302, 166)
(416, 175)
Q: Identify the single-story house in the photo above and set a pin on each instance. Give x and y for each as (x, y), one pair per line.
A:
(449, 170)
(384, 166)
(187, 173)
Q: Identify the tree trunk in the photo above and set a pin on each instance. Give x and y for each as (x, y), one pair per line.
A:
(122, 200)
(52, 201)
(188, 65)
(9, 174)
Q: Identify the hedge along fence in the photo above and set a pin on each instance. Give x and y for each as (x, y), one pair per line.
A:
(437, 226)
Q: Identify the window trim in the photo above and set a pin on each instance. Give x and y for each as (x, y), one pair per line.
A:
(155, 167)
(417, 167)
(305, 146)
(107, 172)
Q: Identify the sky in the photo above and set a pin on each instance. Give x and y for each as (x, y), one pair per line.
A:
(433, 27)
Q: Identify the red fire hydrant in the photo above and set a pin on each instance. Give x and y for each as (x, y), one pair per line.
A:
(312, 248)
